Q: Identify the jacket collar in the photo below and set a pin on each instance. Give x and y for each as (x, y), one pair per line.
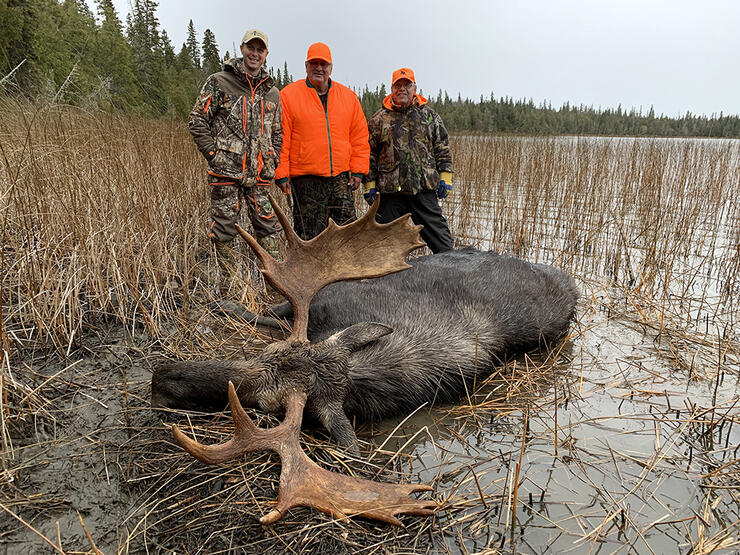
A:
(310, 86)
(418, 100)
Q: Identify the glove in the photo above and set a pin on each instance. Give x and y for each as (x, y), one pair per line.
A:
(445, 184)
(370, 192)
(210, 154)
(284, 184)
(355, 181)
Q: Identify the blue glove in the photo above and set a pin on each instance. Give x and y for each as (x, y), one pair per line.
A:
(444, 189)
(370, 196)
(370, 192)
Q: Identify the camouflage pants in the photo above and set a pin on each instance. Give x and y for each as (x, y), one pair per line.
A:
(226, 203)
(316, 199)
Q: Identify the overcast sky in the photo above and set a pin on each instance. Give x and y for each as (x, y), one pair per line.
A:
(676, 55)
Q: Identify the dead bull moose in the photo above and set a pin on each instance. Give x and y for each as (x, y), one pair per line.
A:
(378, 347)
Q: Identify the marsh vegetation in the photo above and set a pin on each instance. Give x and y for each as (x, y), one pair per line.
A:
(622, 438)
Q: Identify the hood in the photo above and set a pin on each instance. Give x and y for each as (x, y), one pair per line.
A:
(418, 100)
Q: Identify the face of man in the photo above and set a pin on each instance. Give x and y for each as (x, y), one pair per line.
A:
(318, 72)
(254, 53)
(402, 92)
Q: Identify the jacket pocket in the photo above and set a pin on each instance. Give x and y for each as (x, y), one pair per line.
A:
(228, 159)
(267, 171)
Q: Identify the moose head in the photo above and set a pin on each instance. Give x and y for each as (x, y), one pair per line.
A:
(295, 374)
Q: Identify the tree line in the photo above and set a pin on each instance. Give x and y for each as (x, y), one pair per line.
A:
(62, 51)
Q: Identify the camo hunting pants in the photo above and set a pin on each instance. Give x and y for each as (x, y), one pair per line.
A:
(227, 197)
(316, 199)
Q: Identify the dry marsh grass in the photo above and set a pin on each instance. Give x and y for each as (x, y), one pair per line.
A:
(623, 437)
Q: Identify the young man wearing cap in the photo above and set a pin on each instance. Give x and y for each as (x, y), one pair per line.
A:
(325, 150)
(237, 125)
(410, 161)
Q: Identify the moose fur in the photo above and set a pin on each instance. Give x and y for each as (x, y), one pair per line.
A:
(381, 347)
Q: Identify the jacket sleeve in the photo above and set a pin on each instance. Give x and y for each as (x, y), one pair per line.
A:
(374, 126)
(441, 145)
(277, 132)
(283, 169)
(359, 160)
(199, 122)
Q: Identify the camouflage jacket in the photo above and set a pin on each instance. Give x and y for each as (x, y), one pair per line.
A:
(237, 124)
(408, 148)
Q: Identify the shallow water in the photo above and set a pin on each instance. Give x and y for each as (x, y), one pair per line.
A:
(620, 448)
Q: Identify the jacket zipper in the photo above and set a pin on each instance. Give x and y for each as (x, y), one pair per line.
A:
(328, 130)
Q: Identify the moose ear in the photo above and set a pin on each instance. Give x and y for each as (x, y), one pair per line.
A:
(358, 335)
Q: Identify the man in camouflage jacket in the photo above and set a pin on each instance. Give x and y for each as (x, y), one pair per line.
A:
(237, 125)
(410, 161)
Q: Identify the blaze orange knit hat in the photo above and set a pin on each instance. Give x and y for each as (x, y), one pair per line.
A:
(403, 73)
(319, 51)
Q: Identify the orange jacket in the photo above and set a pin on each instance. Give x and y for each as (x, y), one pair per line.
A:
(318, 143)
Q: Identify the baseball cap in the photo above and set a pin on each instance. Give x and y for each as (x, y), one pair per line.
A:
(319, 51)
(254, 34)
(403, 73)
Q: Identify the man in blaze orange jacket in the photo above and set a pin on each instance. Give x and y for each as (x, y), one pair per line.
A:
(325, 149)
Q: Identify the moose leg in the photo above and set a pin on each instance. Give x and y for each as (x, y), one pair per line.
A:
(334, 419)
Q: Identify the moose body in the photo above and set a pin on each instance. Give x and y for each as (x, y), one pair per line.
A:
(385, 346)
(455, 316)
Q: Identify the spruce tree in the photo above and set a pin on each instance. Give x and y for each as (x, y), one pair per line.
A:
(211, 58)
(148, 54)
(113, 59)
(192, 45)
(287, 77)
(12, 22)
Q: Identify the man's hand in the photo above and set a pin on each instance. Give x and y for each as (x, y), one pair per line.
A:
(445, 185)
(370, 192)
(284, 184)
(354, 182)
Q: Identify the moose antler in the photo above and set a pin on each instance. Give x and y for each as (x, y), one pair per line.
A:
(362, 249)
(302, 481)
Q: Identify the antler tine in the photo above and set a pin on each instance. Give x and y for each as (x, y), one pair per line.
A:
(290, 235)
(247, 436)
(302, 481)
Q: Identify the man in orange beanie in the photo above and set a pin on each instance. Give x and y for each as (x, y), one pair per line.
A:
(325, 146)
(410, 161)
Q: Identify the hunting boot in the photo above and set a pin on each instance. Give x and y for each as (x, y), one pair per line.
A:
(226, 258)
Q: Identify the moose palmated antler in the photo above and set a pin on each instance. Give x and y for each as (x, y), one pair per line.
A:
(302, 481)
(361, 249)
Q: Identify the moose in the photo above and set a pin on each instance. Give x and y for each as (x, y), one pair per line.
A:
(418, 333)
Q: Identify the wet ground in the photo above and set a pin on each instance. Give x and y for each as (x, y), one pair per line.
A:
(646, 458)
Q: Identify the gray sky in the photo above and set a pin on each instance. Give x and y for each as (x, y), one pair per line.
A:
(676, 55)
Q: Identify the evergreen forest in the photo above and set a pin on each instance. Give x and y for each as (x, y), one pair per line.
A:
(61, 51)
